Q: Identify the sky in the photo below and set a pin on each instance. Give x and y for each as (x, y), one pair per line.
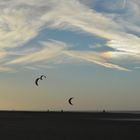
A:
(89, 50)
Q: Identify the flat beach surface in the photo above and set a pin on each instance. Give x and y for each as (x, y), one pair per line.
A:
(22, 125)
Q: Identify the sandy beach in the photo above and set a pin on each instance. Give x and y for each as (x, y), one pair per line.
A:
(24, 125)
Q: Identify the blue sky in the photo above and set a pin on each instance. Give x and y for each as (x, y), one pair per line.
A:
(89, 49)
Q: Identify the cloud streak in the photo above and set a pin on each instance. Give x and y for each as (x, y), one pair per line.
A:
(79, 17)
(6, 69)
(50, 50)
(96, 58)
(22, 21)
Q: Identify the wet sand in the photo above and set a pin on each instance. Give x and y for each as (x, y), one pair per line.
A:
(24, 125)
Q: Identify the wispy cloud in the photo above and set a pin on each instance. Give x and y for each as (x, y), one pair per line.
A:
(50, 50)
(15, 27)
(76, 16)
(137, 67)
(3, 53)
(22, 21)
(6, 69)
(96, 58)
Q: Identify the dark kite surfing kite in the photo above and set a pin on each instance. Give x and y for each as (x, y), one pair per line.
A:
(70, 100)
(40, 78)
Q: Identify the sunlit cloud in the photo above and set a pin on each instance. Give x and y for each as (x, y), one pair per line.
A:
(128, 45)
(106, 54)
(50, 50)
(96, 58)
(6, 69)
(98, 24)
(22, 22)
(121, 55)
(15, 28)
(3, 54)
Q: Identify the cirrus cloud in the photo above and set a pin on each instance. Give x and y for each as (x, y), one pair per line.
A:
(22, 22)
